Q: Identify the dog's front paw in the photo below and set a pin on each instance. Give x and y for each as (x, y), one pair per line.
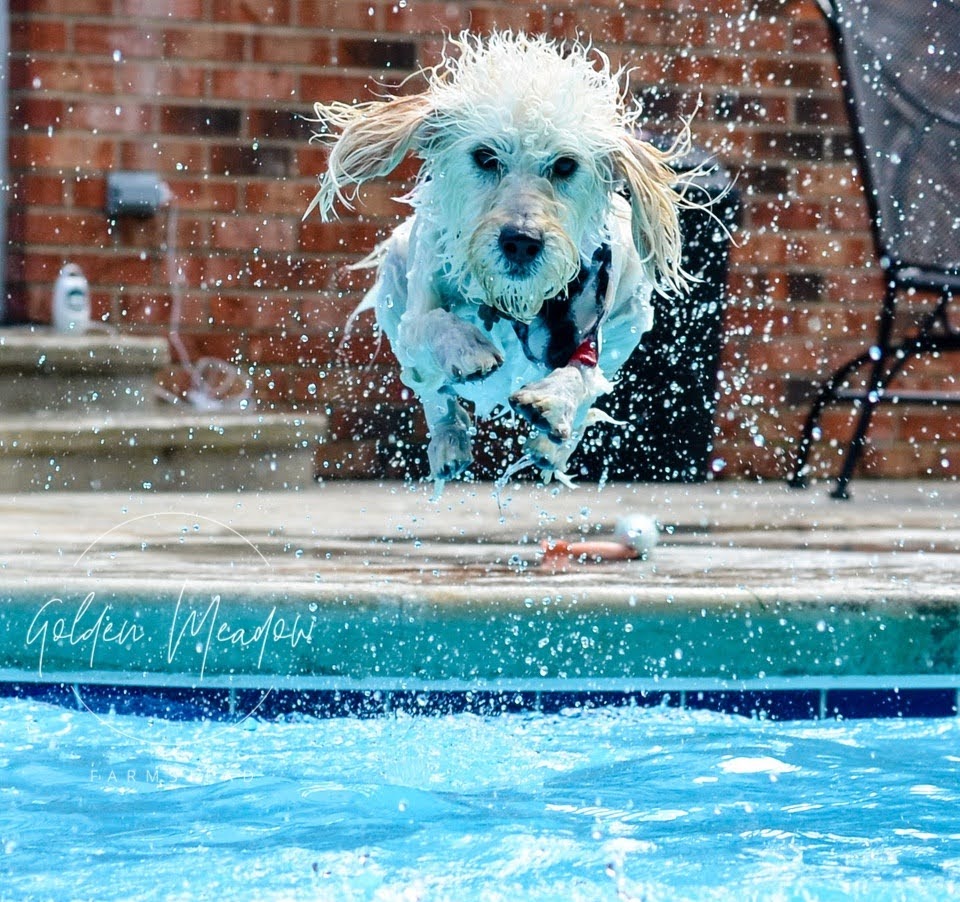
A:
(548, 457)
(450, 453)
(551, 404)
(461, 350)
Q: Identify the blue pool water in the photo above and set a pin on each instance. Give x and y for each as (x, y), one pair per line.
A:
(601, 804)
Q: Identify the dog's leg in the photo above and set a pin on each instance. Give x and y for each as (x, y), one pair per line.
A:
(460, 351)
(551, 403)
(560, 408)
(557, 405)
(450, 450)
(547, 456)
(551, 458)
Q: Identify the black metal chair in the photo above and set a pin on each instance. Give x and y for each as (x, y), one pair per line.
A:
(900, 65)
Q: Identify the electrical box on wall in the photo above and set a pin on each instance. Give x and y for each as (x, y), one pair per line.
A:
(138, 194)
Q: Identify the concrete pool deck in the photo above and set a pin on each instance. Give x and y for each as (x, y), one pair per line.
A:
(369, 586)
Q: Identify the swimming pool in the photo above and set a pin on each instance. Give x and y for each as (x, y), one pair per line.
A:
(609, 803)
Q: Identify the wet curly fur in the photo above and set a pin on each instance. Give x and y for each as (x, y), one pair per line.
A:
(541, 226)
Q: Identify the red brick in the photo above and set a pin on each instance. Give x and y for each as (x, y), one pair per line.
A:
(105, 269)
(62, 75)
(204, 194)
(345, 237)
(856, 286)
(285, 272)
(251, 12)
(273, 197)
(322, 313)
(485, 17)
(260, 158)
(62, 8)
(274, 347)
(37, 113)
(160, 79)
(42, 228)
(329, 15)
(603, 25)
(740, 107)
(243, 231)
(36, 190)
(849, 214)
(355, 280)
(793, 73)
(166, 156)
(33, 267)
(39, 304)
(348, 460)
(246, 312)
(363, 347)
(37, 36)
(327, 86)
(145, 309)
(272, 388)
(61, 150)
(810, 37)
(110, 116)
(755, 247)
(925, 424)
(827, 179)
(697, 69)
(758, 35)
(826, 112)
(201, 120)
(101, 306)
(788, 215)
(199, 43)
(279, 122)
(903, 461)
(830, 249)
(129, 41)
(293, 50)
(169, 10)
(755, 320)
(254, 84)
(426, 17)
(229, 348)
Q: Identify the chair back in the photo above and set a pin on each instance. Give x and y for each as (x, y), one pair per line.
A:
(900, 61)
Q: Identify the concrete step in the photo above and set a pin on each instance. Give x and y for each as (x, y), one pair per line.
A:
(42, 370)
(161, 450)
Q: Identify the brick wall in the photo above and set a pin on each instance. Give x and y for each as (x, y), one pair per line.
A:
(210, 93)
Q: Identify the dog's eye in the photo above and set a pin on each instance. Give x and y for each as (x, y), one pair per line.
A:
(486, 160)
(564, 167)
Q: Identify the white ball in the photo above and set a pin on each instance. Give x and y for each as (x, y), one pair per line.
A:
(638, 531)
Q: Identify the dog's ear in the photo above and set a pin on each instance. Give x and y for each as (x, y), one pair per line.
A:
(366, 141)
(655, 195)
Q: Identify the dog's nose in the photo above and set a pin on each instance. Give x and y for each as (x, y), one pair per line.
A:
(520, 246)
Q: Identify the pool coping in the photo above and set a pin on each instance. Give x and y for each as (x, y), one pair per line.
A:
(803, 596)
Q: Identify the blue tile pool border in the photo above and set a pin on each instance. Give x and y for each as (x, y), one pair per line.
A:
(223, 704)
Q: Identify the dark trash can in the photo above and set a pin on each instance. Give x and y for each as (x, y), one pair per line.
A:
(666, 391)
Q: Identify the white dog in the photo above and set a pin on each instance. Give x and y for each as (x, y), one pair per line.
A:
(523, 279)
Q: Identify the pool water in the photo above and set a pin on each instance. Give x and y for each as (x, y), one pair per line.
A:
(617, 803)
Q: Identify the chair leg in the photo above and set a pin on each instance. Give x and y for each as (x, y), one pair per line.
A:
(826, 395)
(854, 450)
(875, 388)
(798, 479)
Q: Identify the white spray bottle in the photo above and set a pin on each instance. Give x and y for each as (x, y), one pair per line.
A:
(71, 301)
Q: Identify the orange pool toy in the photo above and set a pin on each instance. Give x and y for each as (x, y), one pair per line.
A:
(558, 554)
